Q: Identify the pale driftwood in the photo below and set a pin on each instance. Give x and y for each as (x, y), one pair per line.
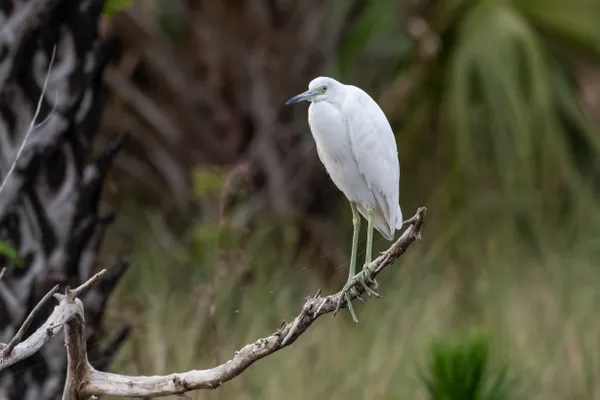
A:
(66, 309)
(6, 350)
(84, 382)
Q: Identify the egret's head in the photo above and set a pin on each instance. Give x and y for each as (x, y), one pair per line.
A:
(319, 89)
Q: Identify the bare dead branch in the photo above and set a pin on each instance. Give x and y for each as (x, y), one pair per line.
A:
(86, 285)
(83, 381)
(77, 360)
(63, 313)
(17, 338)
(32, 125)
(99, 383)
(2, 271)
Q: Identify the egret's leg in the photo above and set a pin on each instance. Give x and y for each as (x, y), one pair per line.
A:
(352, 272)
(362, 277)
(355, 233)
(355, 278)
(369, 250)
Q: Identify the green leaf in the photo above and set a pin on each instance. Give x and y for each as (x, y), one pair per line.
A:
(114, 6)
(10, 252)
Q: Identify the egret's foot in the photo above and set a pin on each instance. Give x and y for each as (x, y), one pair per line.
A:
(369, 283)
(345, 296)
(361, 278)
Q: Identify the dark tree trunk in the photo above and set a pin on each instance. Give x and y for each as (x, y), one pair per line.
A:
(49, 209)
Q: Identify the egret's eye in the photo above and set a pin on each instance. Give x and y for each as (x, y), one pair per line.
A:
(324, 89)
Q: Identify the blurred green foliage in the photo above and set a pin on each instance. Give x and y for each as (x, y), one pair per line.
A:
(509, 98)
(460, 370)
(206, 182)
(115, 6)
(169, 16)
(11, 253)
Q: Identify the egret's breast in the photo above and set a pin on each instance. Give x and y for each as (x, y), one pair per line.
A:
(330, 131)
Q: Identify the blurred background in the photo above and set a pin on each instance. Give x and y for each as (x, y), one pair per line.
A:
(230, 220)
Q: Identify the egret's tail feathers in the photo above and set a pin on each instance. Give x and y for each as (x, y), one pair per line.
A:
(385, 232)
(399, 220)
(384, 226)
(390, 227)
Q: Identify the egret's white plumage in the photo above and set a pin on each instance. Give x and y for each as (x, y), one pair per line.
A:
(356, 144)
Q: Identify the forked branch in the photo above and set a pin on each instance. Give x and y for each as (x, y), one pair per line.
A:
(84, 382)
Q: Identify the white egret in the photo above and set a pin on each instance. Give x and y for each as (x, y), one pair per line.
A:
(356, 144)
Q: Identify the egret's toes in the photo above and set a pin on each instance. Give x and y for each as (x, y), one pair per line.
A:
(342, 298)
(339, 303)
(373, 285)
(345, 296)
(350, 308)
(367, 283)
(359, 297)
(370, 292)
(368, 278)
(372, 282)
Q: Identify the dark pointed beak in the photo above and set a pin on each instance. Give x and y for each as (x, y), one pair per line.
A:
(301, 97)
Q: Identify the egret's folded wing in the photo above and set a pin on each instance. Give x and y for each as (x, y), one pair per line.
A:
(374, 148)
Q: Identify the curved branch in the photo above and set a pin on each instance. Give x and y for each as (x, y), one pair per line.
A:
(65, 311)
(144, 386)
(83, 381)
(6, 350)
